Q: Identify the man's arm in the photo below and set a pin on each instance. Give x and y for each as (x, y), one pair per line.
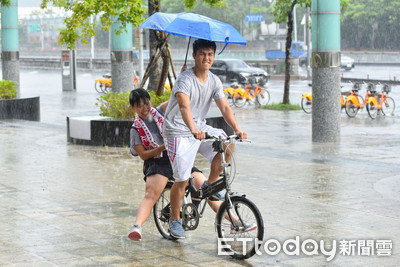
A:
(184, 107)
(227, 113)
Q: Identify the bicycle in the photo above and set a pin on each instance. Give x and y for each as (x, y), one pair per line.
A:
(352, 102)
(242, 96)
(234, 216)
(306, 101)
(230, 92)
(103, 85)
(380, 102)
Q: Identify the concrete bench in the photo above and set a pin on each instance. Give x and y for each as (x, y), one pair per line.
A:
(105, 131)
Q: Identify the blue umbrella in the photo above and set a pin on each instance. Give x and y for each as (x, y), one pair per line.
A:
(194, 25)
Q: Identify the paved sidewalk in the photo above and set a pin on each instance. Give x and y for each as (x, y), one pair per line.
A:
(70, 205)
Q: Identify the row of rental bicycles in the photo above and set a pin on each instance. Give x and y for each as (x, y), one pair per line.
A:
(250, 93)
(374, 101)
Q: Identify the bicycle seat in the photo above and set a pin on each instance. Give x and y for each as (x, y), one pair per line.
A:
(371, 88)
(386, 88)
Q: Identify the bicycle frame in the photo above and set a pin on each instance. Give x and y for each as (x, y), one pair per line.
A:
(308, 96)
(378, 100)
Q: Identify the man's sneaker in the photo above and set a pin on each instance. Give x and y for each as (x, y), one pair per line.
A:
(218, 196)
(136, 233)
(176, 229)
(243, 229)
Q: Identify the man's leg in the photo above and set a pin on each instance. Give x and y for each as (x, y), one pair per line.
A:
(176, 196)
(216, 169)
(182, 152)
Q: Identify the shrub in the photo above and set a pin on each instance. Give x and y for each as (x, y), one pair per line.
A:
(282, 106)
(8, 89)
(116, 105)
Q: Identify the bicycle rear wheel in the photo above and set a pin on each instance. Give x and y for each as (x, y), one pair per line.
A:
(263, 99)
(251, 226)
(99, 87)
(229, 98)
(351, 109)
(388, 106)
(372, 110)
(306, 105)
(239, 101)
(162, 213)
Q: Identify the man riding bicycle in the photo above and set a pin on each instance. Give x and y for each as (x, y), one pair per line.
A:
(185, 127)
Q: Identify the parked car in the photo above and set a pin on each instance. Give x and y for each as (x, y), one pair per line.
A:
(346, 62)
(229, 70)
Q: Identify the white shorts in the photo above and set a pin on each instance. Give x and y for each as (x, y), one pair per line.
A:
(182, 152)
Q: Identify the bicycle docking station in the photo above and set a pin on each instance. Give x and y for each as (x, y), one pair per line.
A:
(68, 70)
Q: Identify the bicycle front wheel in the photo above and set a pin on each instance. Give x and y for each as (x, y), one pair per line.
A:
(372, 110)
(351, 109)
(250, 225)
(388, 106)
(306, 105)
(238, 100)
(162, 213)
(263, 99)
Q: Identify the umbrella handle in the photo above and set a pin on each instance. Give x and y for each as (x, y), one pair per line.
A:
(226, 44)
(187, 50)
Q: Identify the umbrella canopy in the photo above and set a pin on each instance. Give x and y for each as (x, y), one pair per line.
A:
(194, 26)
(158, 21)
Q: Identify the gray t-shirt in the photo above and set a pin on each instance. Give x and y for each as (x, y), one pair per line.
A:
(201, 95)
(135, 137)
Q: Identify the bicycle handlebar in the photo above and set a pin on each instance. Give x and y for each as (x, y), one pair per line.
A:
(227, 138)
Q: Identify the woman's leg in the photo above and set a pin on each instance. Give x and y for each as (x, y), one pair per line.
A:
(155, 184)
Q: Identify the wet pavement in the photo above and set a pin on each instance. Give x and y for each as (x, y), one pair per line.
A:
(71, 205)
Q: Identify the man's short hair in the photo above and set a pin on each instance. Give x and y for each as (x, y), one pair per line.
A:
(137, 94)
(201, 43)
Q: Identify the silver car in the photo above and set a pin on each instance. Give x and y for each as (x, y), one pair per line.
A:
(346, 62)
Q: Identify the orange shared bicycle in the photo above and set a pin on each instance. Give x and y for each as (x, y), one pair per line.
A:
(241, 96)
(380, 102)
(103, 85)
(306, 101)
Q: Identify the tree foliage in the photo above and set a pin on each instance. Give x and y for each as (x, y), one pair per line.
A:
(78, 25)
(372, 24)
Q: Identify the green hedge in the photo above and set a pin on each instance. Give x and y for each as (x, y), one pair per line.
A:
(8, 89)
(116, 105)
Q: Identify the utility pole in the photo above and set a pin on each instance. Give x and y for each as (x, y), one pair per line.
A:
(294, 24)
(326, 71)
(10, 43)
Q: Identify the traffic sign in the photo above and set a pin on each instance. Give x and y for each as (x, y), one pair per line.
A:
(34, 27)
(254, 17)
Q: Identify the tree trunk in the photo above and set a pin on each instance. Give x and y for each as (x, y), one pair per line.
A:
(164, 73)
(156, 68)
(287, 59)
